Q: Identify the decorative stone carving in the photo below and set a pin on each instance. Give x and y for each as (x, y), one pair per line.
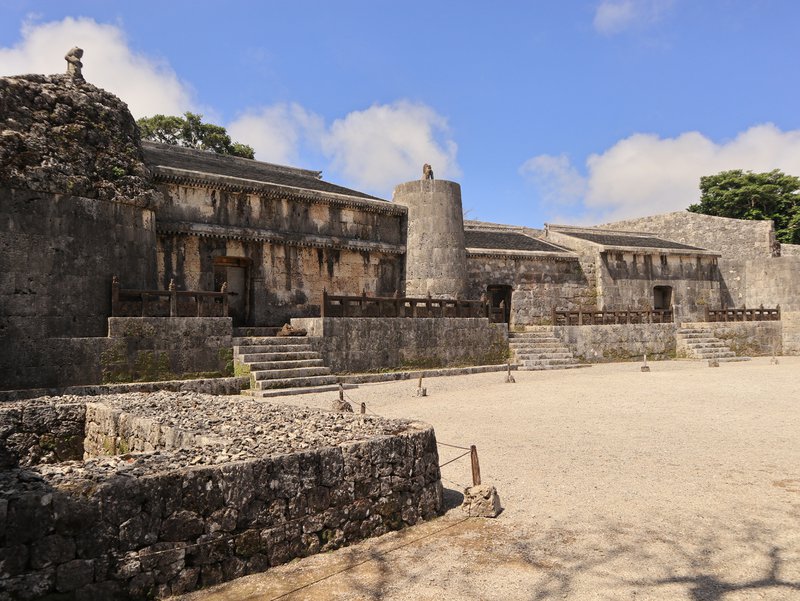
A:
(427, 171)
(74, 64)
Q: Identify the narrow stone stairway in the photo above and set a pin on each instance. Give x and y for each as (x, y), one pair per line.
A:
(540, 349)
(700, 343)
(280, 364)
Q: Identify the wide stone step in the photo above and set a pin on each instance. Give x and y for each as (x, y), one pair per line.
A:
(253, 331)
(716, 354)
(549, 344)
(272, 365)
(542, 367)
(298, 372)
(248, 357)
(292, 390)
(270, 340)
(732, 359)
(297, 382)
(570, 361)
(272, 348)
(706, 345)
(530, 335)
(534, 355)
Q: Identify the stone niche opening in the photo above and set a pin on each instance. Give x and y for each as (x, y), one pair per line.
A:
(140, 496)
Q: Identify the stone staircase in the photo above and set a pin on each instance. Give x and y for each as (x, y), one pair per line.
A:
(280, 364)
(700, 343)
(540, 349)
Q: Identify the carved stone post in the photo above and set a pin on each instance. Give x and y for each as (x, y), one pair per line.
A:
(173, 299)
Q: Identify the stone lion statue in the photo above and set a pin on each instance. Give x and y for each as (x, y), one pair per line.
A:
(74, 64)
(427, 171)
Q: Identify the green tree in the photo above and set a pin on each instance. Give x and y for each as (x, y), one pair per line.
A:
(747, 195)
(190, 131)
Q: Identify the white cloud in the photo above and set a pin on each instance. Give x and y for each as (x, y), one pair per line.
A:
(149, 86)
(615, 16)
(385, 145)
(276, 132)
(645, 174)
(374, 149)
(558, 181)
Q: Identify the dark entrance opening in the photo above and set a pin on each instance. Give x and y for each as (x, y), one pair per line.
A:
(662, 298)
(234, 270)
(500, 299)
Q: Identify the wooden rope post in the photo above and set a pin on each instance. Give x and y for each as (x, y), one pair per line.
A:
(173, 299)
(476, 468)
(224, 291)
(324, 306)
(341, 392)
(363, 408)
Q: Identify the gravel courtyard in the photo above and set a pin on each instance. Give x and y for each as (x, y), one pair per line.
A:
(681, 483)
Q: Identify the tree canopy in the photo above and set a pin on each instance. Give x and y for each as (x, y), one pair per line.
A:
(190, 131)
(747, 195)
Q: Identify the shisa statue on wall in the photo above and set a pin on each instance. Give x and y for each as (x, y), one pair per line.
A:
(74, 64)
(427, 171)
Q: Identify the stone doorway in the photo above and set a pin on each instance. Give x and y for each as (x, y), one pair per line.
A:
(662, 298)
(235, 271)
(500, 298)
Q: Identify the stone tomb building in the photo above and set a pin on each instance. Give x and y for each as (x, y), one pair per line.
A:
(82, 200)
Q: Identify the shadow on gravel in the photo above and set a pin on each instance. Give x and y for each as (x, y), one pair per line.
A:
(451, 499)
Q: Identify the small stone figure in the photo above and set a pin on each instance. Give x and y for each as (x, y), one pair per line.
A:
(74, 64)
(427, 171)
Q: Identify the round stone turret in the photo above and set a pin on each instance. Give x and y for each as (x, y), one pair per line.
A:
(436, 261)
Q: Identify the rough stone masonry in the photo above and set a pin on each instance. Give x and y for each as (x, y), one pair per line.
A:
(148, 495)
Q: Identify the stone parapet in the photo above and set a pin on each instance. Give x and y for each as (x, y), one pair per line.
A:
(363, 344)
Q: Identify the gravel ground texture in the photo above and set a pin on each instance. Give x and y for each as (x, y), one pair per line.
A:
(678, 484)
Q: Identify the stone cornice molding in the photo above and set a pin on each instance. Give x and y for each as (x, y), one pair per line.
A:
(204, 230)
(199, 179)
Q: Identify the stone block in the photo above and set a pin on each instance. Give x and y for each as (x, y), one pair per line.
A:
(481, 500)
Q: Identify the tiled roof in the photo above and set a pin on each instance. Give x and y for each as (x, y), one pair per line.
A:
(506, 241)
(633, 241)
(165, 155)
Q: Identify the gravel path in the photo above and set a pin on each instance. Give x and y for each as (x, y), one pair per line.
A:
(682, 483)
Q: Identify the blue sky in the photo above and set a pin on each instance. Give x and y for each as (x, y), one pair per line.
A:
(577, 112)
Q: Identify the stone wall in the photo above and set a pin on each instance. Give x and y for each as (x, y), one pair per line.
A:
(619, 342)
(791, 332)
(736, 240)
(282, 281)
(137, 349)
(790, 250)
(747, 338)
(39, 433)
(57, 257)
(627, 281)
(538, 284)
(772, 282)
(353, 345)
(141, 526)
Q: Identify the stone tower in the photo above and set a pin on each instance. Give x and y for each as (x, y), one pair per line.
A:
(436, 261)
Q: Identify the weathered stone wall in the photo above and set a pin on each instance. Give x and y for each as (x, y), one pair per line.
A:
(747, 338)
(772, 282)
(167, 348)
(137, 349)
(285, 280)
(140, 526)
(791, 332)
(42, 432)
(736, 240)
(538, 284)
(619, 342)
(627, 281)
(436, 257)
(353, 344)
(790, 250)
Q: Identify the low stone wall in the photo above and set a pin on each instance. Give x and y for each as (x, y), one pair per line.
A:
(137, 349)
(269, 484)
(166, 348)
(747, 338)
(41, 432)
(619, 342)
(790, 336)
(353, 345)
